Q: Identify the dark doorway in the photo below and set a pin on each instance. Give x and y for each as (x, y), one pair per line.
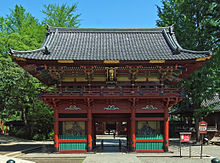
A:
(111, 127)
(111, 133)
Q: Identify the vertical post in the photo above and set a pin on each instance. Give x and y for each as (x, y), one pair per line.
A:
(89, 129)
(201, 146)
(117, 128)
(6, 129)
(133, 127)
(104, 127)
(56, 130)
(190, 151)
(3, 127)
(166, 127)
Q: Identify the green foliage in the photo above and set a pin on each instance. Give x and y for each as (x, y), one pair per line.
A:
(18, 89)
(196, 25)
(195, 22)
(61, 16)
(20, 31)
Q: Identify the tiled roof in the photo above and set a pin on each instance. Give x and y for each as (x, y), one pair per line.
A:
(215, 100)
(110, 44)
(189, 109)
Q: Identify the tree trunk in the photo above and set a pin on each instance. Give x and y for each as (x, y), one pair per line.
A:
(197, 120)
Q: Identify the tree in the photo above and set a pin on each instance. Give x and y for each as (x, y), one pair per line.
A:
(21, 31)
(61, 16)
(196, 25)
(18, 89)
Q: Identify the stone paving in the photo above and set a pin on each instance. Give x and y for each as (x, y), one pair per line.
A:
(111, 153)
(112, 158)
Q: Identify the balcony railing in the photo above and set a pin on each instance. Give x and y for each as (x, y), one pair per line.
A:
(116, 92)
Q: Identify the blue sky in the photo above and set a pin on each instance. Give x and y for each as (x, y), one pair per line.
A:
(98, 13)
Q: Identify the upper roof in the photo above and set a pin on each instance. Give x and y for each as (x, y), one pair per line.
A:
(110, 44)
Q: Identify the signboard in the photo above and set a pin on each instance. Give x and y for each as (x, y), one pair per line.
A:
(202, 127)
(185, 136)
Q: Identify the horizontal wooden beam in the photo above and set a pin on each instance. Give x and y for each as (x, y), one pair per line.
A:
(149, 140)
(150, 111)
(72, 141)
(107, 119)
(72, 119)
(150, 119)
(72, 111)
(114, 96)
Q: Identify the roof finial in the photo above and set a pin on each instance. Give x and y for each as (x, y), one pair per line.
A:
(46, 51)
(177, 51)
(10, 51)
(48, 27)
(171, 29)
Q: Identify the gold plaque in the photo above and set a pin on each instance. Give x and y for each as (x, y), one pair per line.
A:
(111, 61)
(157, 61)
(65, 61)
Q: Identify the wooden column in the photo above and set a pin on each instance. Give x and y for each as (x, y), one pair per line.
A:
(56, 126)
(166, 126)
(56, 129)
(89, 129)
(133, 127)
(3, 127)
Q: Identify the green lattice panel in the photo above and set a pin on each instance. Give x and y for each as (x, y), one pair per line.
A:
(72, 146)
(149, 145)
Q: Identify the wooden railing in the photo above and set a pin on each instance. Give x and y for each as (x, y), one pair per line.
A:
(115, 92)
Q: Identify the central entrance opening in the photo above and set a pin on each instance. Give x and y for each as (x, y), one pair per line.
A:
(111, 132)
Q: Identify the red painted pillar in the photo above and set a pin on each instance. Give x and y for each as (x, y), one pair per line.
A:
(89, 130)
(0, 125)
(3, 127)
(166, 128)
(133, 128)
(56, 129)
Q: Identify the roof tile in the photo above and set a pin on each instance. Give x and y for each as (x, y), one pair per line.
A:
(110, 44)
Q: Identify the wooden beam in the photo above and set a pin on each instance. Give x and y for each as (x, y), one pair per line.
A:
(72, 141)
(73, 119)
(150, 119)
(149, 140)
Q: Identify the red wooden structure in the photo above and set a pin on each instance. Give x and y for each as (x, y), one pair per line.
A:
(104, 77)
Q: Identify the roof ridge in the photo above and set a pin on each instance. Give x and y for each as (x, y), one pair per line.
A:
(132, 30)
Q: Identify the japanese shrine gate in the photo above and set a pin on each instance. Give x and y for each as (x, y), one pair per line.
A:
(111, 75)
